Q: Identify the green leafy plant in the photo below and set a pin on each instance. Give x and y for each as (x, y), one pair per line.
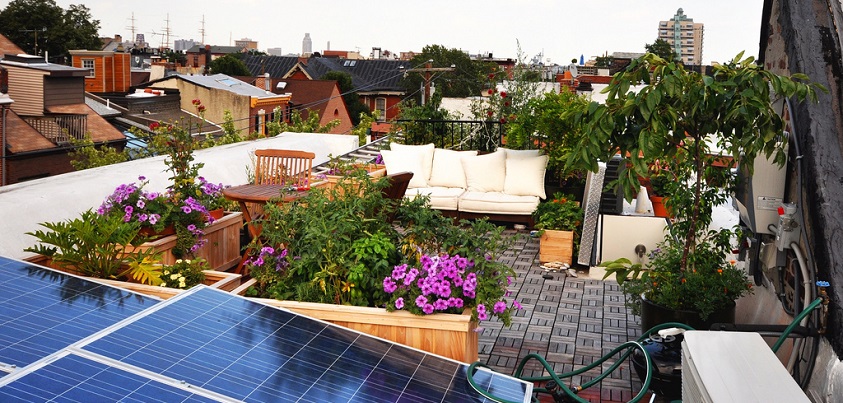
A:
(710, 285)
(336, 246)
(184, 273)
(95, 245)
(561, 213)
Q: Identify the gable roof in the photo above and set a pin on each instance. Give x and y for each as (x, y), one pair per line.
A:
(366, 75)
(38, 63)
(312, 94)
(225, 82)
(8, 47)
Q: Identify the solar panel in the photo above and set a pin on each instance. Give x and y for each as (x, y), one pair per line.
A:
(43, 311)
(206, 344)
(252, 352)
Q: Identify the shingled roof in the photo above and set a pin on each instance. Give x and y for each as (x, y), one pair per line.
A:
(8, 47)
(366, 75)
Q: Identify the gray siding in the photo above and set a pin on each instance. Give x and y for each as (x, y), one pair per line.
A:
(64, 91)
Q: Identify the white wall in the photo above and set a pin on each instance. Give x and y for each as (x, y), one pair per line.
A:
(57, 198)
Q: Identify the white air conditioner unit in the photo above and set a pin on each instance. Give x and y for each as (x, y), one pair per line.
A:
(726, 367)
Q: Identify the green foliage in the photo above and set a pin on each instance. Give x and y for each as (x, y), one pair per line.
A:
(709, 284)
(86, 155)
(464, 81)
(58, 30)
(604, 61)
(184, 273)
(96, 245)
(550, 119)
(357, 110)
(662, 48)
(676, 118)
(298, 124)
(229, 64)
(562, 213)
(364, 127)
(336, 246)
(415, 130)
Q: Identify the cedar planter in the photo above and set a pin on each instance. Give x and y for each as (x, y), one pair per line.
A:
(215, 279)
(448, 335)
(556, 246)
(330, 181)
(222, 251)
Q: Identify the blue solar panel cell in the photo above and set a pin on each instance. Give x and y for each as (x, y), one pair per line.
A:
(43, 311)
(77, 379)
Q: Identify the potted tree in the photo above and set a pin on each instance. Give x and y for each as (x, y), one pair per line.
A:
(687, 121)
(557, 220)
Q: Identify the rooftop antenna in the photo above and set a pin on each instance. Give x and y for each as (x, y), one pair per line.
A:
(202, 30)
(167, 32)
(132, 27)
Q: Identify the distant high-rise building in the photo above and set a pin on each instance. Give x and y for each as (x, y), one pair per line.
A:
(306, 45)
(274, 52)
(685, 36)
(246, 43)
(184, 44)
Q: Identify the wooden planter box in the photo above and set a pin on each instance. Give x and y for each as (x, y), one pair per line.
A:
(448, 335)
(556, 246)
(330, 181)
(216, 279)
(222, 251)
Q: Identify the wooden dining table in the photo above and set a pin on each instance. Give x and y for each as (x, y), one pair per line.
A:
(258, 195)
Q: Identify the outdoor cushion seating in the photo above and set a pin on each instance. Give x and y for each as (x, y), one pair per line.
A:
(505, 185)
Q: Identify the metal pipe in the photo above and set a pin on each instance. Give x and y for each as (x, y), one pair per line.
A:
(3, 168)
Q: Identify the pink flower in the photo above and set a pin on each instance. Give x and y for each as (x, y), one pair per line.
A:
(399, 303)
(517, 305)
(499, 307)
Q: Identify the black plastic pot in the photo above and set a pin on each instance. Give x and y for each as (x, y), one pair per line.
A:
(653, 314)
(666, 356)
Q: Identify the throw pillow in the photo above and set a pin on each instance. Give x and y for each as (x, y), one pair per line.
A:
(447, 168)
(485, 173)
(397, 162)
(426, 152)
(510, 153)
(525, 176)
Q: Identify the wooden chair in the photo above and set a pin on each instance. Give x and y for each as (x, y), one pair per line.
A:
(398, 183)
(286, 167)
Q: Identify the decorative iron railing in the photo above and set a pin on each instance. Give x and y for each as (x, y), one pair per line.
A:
(60, 128)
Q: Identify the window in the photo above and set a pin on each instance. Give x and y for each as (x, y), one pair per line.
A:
(89, 64)
(380, 105)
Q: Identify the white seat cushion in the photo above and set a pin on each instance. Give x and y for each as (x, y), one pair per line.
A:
(447, 168)
(485, 173)
(525, 176)
(403, 161)
(441, 198)
(497, 203)
(426, 152)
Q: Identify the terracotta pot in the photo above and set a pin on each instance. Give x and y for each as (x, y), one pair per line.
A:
(151, 232)
(659, 210)
(216, 214)
(653, 314)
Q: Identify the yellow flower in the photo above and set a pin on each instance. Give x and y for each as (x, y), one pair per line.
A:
(178, 261)
(174, 276)
(347, 286)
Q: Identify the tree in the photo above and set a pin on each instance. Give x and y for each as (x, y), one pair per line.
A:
(466, 80)
(57, 30)
(230, 65)
(662, 48)
(352, 100)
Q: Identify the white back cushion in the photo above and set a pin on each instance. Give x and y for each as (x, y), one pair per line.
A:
(426, 152)
(525, 176)
(447, 168)
(396, 161)
(510, 153)
(485, 173)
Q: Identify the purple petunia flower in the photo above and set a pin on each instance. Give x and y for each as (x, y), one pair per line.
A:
(440, 305)
(389, 286)
(427, 309)
(517, 305)
(481, 308)
(399, 303)
(421, 300)
(482, 315)
(499, 307)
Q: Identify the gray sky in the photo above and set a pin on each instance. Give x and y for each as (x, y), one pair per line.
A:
(560, 29)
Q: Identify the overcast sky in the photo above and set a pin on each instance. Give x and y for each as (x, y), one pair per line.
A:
(559, 29)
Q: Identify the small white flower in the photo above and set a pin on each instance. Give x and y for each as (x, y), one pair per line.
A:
(178, 261)
(174, 276)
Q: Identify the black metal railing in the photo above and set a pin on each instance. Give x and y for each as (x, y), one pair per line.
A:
(454, 134)
(59, 127)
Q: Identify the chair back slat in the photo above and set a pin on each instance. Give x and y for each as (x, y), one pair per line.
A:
(286, 167)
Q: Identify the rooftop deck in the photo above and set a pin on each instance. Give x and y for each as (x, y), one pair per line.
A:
(570, 321)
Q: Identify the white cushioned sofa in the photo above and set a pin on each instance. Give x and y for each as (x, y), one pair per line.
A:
(505, 185)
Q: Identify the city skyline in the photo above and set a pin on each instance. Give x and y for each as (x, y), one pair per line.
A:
(559, 31)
